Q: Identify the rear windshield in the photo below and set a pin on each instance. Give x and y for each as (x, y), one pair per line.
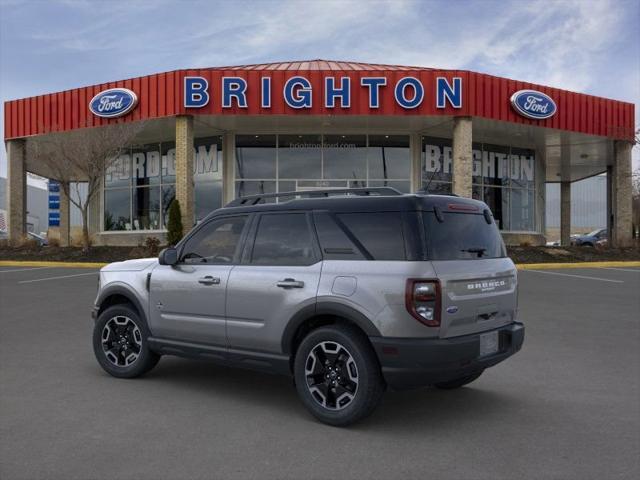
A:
(462, 236)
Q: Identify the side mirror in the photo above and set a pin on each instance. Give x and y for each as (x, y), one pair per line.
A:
(168, 256)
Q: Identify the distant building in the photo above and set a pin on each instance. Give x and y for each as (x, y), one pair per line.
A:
(37, 207)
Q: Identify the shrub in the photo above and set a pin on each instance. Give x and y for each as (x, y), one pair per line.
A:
(138, 252)
(152, 244)
(174, 225)
(54, 242)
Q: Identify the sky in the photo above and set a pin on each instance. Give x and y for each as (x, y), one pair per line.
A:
(581, 45)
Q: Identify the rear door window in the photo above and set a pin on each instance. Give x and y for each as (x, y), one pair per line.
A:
(379, 233)
(462, 236)
(283, 239)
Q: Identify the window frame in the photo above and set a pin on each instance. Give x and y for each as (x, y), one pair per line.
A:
(249, 245)
(239, 248)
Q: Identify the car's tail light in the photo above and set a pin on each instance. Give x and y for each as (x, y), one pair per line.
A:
(422, 298)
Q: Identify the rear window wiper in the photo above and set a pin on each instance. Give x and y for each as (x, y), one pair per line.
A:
(479, 251)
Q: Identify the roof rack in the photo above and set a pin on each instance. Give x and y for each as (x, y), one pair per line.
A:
(255, 199)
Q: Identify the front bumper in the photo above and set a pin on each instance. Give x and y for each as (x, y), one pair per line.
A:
(410, 363)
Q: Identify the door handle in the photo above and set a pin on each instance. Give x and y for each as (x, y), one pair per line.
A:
(290, 283)
(209, 280)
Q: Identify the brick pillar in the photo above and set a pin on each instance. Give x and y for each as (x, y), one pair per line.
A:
(16, 191)
(184, 170)
(621, 184)
(65, 218)
(415, 147)
(228, 167)
(565, 213)
(462, 156)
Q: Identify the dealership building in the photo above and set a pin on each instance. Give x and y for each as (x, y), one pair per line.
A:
(211, 135)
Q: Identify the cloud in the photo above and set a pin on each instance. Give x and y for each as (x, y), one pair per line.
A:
(583, 45)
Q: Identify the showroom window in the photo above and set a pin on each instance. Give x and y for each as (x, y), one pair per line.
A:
(140, 185)
(503, 177)
(285, 163)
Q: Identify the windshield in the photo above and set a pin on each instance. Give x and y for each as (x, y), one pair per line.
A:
(594, 233)
(462, 236)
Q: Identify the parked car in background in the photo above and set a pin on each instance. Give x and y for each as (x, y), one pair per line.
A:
(590, 239)
(41, 239)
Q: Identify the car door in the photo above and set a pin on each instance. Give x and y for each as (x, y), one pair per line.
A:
(279, 276)
(187, 300)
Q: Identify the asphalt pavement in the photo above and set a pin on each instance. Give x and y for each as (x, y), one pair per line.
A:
(566, 407)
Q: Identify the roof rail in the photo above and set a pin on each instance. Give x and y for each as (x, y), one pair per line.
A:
(255, 199)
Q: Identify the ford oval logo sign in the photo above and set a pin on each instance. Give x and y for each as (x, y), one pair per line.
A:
(114, 102)
(533, 104)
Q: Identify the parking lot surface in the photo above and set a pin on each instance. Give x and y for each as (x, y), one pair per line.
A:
(567, 406)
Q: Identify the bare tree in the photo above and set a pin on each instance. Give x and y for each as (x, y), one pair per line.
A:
(82, 156)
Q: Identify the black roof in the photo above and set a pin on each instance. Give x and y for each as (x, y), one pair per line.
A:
(359, 203)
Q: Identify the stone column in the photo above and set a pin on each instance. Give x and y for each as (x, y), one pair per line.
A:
(184, 170)
(16, 191)
(621, 184)
(65, 216)
(462, 156)
(415, 147)
(228, 167)
(565, 213)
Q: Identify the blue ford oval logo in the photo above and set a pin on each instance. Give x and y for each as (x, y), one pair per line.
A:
(114, 102)
(533, 104)
(452, 309)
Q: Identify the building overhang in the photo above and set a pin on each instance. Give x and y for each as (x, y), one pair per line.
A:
(334, 90)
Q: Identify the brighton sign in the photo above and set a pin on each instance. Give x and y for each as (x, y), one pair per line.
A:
(113, 103)
(408, 92)
(533, 104)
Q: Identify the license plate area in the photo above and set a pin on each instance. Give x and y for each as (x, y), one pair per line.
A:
(489, 343)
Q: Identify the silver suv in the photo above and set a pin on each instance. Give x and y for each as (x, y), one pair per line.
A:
(350, 292)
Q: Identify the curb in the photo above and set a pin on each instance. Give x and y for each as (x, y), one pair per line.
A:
(519, 266)
(19, 263)
(549, 266)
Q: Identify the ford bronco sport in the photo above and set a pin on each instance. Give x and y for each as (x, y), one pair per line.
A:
(350, 292)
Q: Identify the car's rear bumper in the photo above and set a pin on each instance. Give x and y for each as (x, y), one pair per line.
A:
(409, 363)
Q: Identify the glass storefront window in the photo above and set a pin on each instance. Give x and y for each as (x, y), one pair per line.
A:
(256, 156)
(521, 204)
(117, 209)
(522, 167)
(145, 163)
(344, 156)
(168, 194)
(146, 208)
(299, 156)
(151, 172)
(497, 200)
(437, 163)
(311, 162)
(503, 177)
(118, 174)
(389, 156)
(168, 162)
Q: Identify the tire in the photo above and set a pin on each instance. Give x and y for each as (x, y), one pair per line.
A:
(458, 382)
(346, 389)
(120, 343)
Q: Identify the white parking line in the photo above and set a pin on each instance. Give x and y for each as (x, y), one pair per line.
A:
(576, 276)
(622, 269)
(58, 278)
(24, 269)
